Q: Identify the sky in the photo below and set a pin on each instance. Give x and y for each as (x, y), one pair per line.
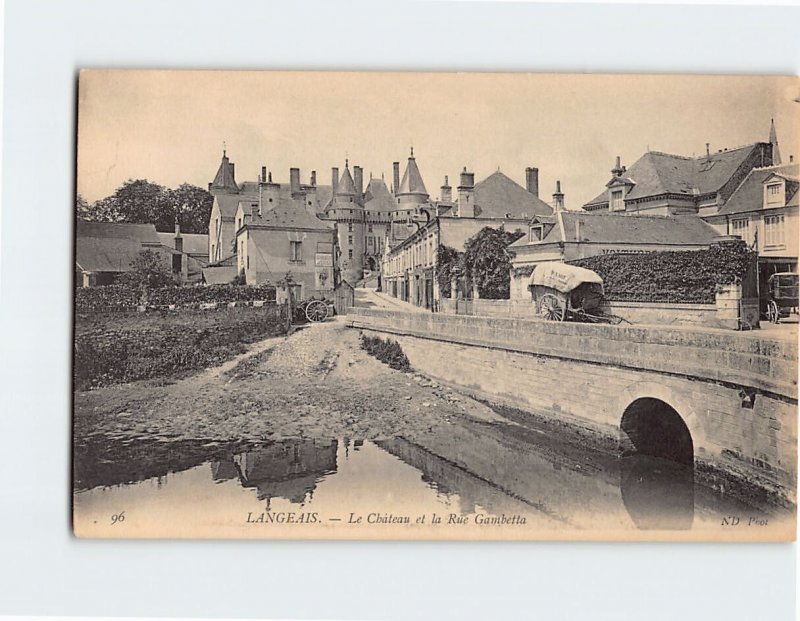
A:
(170, 126)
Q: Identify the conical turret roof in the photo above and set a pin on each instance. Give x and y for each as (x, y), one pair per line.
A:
(773, 139)
(346, 185)
(412, 179)
(224, 179)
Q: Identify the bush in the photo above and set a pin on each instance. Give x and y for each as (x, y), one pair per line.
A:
(690, 277)
(115, 298)
(387, 351)
(112, 349)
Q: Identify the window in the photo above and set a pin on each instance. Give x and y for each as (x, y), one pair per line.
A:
(536, 233)
(773, 231)
(741, 228)
(349, 240)
(617, 204)
(350, 253)
(774, 194)
(369, 228)
(295, 251)
(350, 228)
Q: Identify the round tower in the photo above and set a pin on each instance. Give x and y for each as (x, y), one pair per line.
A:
(347, 210)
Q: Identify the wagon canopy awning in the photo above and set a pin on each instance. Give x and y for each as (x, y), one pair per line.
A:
(563, 277)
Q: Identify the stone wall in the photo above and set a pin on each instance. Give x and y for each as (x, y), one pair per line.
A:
(736, 392)
(723, 314)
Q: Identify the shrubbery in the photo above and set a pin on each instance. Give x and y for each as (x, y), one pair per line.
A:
(122, 298)
(112, 349)
(690, 277)
(387, 351)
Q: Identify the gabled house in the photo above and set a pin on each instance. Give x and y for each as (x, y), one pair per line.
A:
(577, 234)
(408, 267)
(278, 235)
(666, 184)
(763, 211)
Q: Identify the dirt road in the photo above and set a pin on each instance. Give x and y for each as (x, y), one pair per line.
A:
(316, 382)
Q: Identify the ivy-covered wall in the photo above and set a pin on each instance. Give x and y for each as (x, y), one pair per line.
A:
(687, 277)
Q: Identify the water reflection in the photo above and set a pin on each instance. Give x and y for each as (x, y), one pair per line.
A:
(289, 469)
(657, 493)
(465, 469)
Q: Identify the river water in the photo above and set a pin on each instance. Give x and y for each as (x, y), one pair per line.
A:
(477, 479)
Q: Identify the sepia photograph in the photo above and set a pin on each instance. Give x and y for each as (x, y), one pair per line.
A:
(435, 306)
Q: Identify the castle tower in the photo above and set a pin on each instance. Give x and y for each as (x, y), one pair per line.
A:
(409, 196)
(348, 212)
(225, 179)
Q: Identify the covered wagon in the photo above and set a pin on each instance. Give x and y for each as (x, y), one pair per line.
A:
(561, 291)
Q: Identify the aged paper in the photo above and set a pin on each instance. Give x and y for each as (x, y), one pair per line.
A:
(435, 306)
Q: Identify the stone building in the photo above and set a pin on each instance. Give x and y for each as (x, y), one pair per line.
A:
(570, 235)
(409, 264)
(665, 184)
(763, 211)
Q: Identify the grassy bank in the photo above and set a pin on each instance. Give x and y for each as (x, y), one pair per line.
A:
(124, 347)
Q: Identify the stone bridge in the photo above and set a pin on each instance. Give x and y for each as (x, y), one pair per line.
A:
(724, 401)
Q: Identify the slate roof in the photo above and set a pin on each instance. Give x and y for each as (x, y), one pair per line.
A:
(749, 196)
(377, 196)
(111, 247)
(288, 213)
(657, 173)
(346, 185)
(412, 179)
(618, 228)
(193, 243)
(224, 178)
(229, 203)
(219, 275)
(498, 195)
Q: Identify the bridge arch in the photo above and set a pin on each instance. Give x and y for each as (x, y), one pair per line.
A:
(656, 420)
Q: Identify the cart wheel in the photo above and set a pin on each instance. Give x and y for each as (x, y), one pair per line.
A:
(551, 307)
(773, 314)
(316, 311)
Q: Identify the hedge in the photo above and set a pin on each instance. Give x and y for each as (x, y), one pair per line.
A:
(114, 298)
(689, 277)
(111, 349)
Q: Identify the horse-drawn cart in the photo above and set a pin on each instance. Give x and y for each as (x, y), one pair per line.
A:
(561, 291)
(782, 289)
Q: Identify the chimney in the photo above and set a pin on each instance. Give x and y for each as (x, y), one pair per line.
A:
(447, 191)
(578, 230)
(466, 198)
(396, 177)
(358, 179)
(263, 178)
(532, 180)
(178, 238)
(618, 168)
(558, 198)
(314, 177)
(294, 182)
(791, 159)
(708, 150)
(334, 179)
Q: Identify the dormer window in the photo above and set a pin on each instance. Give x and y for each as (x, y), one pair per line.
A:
(774, 195)
(536, 233)
(617, 202)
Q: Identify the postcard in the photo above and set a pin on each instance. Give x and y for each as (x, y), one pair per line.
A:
(331, 305)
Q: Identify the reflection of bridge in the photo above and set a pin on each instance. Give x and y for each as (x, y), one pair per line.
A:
(719, 398)
(289, 469)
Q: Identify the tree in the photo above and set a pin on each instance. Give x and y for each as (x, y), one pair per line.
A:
(192, 205)
(447, 259)
(142, 202)
(148, 271)
(82, 209)
(488, 261)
